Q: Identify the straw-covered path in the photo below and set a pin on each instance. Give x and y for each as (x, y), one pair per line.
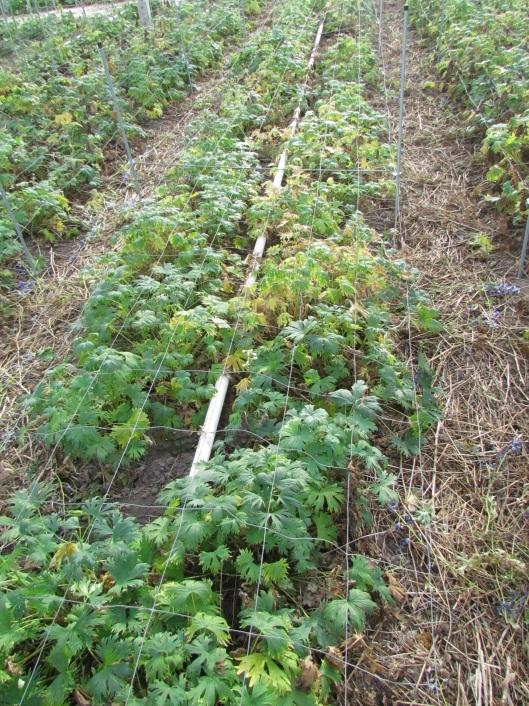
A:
(463, 575)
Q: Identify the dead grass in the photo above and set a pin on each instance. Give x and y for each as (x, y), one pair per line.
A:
(451, 641)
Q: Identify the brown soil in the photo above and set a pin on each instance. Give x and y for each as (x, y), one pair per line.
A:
(147, 479)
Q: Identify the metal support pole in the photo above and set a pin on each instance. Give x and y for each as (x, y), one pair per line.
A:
(144, 13)
(10, 20)
(523, 254)
(5, 16)
(81, 4)
(442, 23)
(401, 111)
(36, 10)
(380, 19)
(119, 120)
(16, 227)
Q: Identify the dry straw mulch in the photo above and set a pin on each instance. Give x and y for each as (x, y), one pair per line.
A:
(457, 636)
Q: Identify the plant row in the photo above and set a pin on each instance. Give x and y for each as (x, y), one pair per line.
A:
(484, 62)
(240, 593)
(164, 310)
(23, 7)
(58, 127)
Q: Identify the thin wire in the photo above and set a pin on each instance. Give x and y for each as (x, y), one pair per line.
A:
(265, 523)
(133, 303)
(260, 438)
(333, 546)
(142, 157)
(167, 562)
(400, 135)
(112, 479)
(238, 631)
(114, 135)
(116, 5)
(355, 314)
(425, 533)
(134, 116)
(382, 62)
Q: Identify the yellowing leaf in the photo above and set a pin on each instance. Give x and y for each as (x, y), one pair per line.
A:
(235, 361)
(65, 551)
(58, 225)
(259, 667)
(64, 118)
(133, 428)
(156, 111)
(243, 385)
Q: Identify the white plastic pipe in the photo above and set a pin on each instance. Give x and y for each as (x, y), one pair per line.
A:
(211, 423)
(260, 243)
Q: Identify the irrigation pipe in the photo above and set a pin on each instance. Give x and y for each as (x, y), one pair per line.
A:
(216, 404)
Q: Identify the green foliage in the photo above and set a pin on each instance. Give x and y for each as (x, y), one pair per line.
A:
(57, 127)
(483, 50)
(207, 603)
(188, 644)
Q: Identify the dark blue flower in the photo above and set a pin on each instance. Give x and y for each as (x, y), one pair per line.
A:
(492, 317)
(503, 289)
(516, 447)
(392, 506)
(513, 605)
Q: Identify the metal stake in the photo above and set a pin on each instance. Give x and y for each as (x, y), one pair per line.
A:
(380, 19)
(440, 36)
(523, 254)
(5, 16)
(401, 111)
(144, 13)
(16, 226)
(119, 120)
